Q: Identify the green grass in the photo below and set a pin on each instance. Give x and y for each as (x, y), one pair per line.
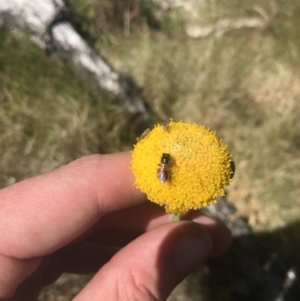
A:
(245, 85)
(48, 117)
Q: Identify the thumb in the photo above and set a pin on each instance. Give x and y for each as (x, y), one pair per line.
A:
(151, 266)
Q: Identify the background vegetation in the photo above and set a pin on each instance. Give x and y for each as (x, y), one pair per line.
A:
(244, 84)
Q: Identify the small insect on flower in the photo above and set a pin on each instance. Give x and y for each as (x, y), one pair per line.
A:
(232, 166)
(163, 172)
(144, 134)
(183, 168)
(165, 125)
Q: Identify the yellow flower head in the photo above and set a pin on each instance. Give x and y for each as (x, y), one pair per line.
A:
(182, 166)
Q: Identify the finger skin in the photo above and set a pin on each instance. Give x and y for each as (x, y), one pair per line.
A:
(146, 216)
(41, 215)
(146, 268)
(14, 271)
(90, 255)
(44, 213)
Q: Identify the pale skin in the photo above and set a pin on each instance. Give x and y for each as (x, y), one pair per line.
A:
(87, 217)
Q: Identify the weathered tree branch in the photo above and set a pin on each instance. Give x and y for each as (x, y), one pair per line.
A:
(44, 21)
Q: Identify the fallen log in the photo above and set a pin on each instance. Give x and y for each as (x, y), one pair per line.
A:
(48, 25)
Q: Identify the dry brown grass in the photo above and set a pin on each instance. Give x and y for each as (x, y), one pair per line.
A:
(245, 93)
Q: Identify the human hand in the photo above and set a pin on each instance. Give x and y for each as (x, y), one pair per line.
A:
(87, 217)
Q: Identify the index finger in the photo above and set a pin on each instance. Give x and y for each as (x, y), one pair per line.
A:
(44, 213)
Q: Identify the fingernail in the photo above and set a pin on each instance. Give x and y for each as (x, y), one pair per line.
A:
(190, 251)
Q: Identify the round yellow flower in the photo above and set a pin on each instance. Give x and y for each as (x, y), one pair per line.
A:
(182, 166)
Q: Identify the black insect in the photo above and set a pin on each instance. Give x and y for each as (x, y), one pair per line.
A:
(163, 172)
(232, 166)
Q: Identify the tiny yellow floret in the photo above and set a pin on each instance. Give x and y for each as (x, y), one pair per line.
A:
(199, 166)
